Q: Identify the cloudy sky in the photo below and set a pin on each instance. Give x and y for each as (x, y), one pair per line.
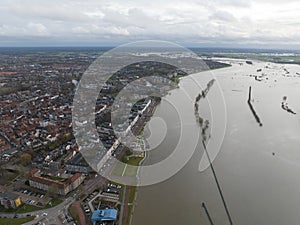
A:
(240, 23)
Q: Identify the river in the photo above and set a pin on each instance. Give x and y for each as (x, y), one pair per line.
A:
(258, 167)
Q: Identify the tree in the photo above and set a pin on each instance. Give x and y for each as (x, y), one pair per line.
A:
(25, 158)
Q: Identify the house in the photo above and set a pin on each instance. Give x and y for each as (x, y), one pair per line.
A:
(78, 165)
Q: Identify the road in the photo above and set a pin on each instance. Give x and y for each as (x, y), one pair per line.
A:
(57, 214)
(53, 214)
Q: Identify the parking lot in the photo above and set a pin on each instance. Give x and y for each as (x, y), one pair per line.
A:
(32, 198)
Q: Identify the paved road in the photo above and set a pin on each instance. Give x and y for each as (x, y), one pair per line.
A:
(56, 215)
(53, 214)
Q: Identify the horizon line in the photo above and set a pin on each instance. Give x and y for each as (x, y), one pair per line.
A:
(189, 47)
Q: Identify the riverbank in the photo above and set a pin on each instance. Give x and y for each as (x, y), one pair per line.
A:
(130, 193)
(134, 190)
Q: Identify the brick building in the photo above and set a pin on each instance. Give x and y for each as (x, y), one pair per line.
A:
(38, 181)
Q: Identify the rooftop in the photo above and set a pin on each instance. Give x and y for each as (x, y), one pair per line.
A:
(48, 181)
(8, 196)
(104, 215)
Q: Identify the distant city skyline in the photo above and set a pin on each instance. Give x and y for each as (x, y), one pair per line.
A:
(194, 23)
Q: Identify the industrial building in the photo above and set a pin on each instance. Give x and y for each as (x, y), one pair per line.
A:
(104, 215)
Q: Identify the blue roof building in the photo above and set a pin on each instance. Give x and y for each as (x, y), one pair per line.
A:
(104, 215)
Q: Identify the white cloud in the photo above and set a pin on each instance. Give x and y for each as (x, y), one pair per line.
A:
(192, 21)
(38, 29)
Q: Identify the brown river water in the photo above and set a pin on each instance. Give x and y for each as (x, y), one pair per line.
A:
(258, 167)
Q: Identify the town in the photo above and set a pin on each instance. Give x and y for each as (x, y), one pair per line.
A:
(42, 170)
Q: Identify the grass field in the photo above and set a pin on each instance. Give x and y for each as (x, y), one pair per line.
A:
(74, 214)
(134, 161)
(54, 202)
(25, 208)
(122, 170)
(21, 209)
(118, 170)
(18, 221)
(132, 194)
(130, 172)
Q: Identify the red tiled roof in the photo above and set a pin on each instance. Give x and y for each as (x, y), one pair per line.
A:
(34, 171)
(74, 178)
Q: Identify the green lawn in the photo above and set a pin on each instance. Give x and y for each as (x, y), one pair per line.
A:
(18, 221)
(24, 208)
(118, 170)
(27, 208)
(129, 171)
(131, 200)
(134, 161)
(129, 214)
(55, 202)
(74, 214)
(132, 194)
(132, 171)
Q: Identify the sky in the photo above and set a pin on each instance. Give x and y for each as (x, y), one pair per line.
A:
(192, 23)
